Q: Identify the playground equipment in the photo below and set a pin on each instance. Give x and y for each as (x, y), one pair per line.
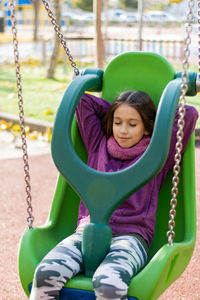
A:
(128, 71)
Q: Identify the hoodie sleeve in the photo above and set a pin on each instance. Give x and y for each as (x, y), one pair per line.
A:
(89, 112)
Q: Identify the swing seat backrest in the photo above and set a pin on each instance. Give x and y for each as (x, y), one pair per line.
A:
(151, 73)
(130, 71)
(137, 71)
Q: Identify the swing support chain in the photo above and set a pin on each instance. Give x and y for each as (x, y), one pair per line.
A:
(30, 217)
(61, 37)
(180, 124)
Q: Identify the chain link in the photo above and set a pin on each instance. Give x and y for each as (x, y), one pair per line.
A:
(181, 122)
(30, 217)
(61, 37)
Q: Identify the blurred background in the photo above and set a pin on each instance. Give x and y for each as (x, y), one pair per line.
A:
(124, 25)
(94, 31)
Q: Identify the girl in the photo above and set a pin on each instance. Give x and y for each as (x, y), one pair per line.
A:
(115, 137)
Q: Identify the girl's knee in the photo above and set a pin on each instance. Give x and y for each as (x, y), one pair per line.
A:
(45, 286)
(40, 276)
(110, 290)
(44, 276)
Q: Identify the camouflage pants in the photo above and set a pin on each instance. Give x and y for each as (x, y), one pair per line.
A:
(111, 279)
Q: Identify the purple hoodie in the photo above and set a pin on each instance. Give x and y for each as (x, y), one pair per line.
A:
(138, 213)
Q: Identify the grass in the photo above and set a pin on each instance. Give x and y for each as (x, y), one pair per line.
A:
(41, 96)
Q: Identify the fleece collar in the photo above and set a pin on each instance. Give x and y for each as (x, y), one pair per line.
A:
(127, 153)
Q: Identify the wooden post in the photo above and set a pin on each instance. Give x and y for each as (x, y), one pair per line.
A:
(44, 50)
(97, 8)
(55, 53)
(36, 5)
(140, 14)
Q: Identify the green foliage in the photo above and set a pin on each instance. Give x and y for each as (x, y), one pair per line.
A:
(83, 4)
(128, 3)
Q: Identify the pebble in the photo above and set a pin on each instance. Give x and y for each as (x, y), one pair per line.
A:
(11, 147)
(6, 137)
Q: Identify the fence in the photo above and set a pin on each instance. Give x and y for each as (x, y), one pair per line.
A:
(84, 48)
(169, 49)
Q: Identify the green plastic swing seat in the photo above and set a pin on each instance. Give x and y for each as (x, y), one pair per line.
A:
(151, 73)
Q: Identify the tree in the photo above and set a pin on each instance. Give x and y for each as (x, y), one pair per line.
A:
(55, 53)
(97, 7)
(128, 3)
(36, 7)
(83, 4)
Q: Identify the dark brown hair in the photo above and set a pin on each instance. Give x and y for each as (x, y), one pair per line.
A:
(140, 101)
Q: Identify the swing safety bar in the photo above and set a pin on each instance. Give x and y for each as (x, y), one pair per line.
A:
(116, 185)
(129, 71)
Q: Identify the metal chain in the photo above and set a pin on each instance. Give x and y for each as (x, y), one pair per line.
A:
(61, 37)
(30, 217)
(181, 122)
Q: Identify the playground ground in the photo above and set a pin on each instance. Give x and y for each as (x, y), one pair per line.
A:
(13, 222)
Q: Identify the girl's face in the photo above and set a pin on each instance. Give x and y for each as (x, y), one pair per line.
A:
(128, 127)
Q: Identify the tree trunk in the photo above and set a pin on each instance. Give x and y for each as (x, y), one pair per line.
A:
(140, 28)
(54, 56)
(106, 5)
(36, 6)
(97, 7)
